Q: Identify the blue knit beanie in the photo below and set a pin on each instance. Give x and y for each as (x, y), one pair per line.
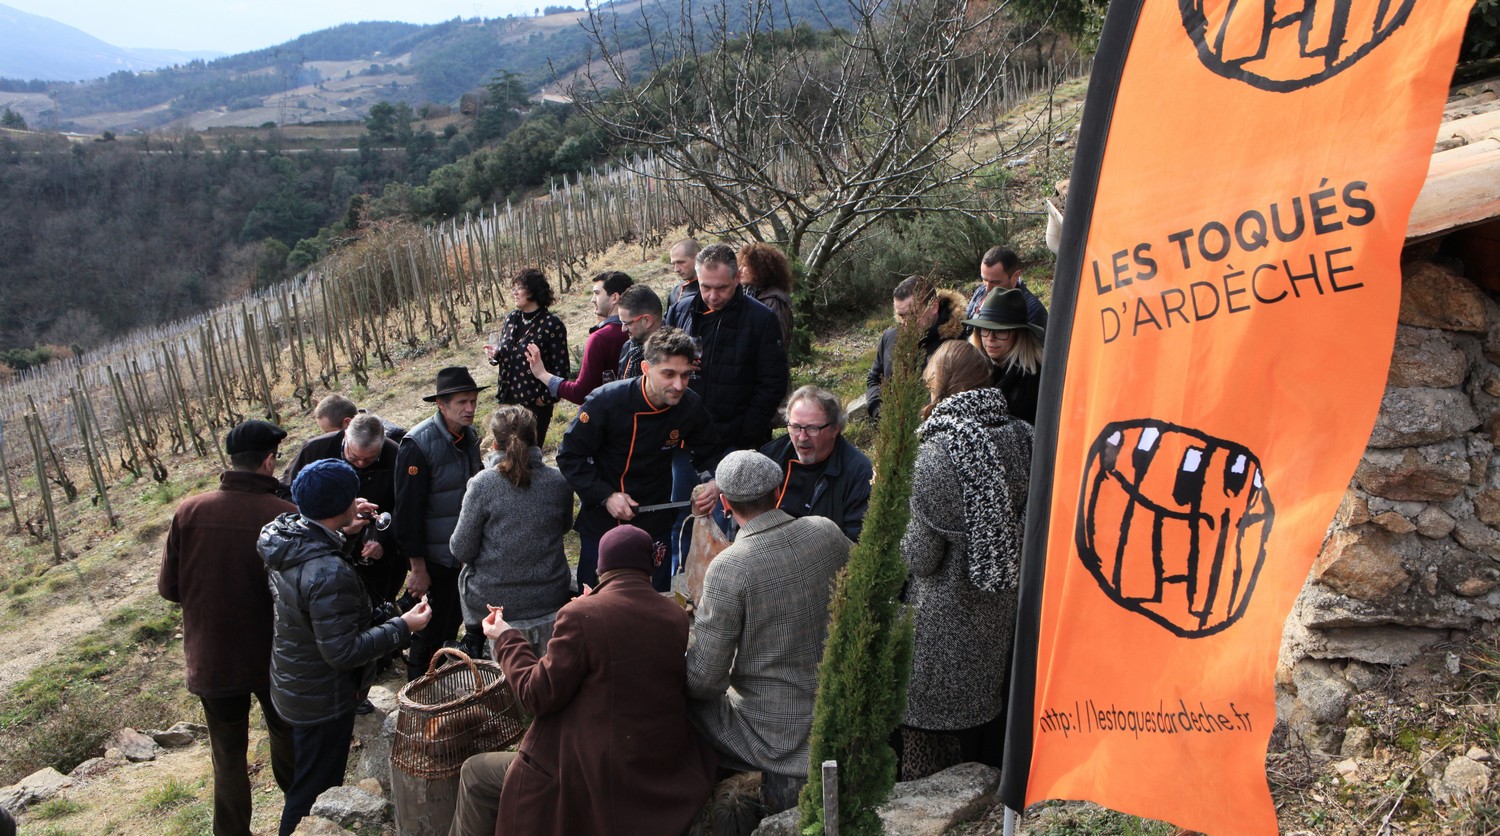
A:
(325, 488)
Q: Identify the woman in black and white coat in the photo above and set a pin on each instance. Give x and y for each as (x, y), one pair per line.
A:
(963, 547)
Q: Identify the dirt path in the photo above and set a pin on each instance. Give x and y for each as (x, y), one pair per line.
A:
(38, 634)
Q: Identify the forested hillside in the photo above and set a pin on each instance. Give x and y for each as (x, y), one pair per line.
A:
(100, 237)
(338, 73)
(107, 237)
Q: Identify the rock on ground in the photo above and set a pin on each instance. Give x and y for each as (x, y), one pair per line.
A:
(36, 787)
(315, 826)
(181, 734)
(352, 807)
(1463, 780)
(926, 807)
(133, 745)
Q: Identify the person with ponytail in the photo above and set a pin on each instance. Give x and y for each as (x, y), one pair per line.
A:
(509, 536)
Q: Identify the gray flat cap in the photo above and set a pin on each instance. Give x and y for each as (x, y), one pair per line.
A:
(745, 475)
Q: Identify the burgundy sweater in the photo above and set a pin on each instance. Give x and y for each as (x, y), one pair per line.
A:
(601, 359)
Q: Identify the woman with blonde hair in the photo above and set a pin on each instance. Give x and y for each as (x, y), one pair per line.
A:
(963, 547)
(766, 275)
(1014, 346)
(509, 535)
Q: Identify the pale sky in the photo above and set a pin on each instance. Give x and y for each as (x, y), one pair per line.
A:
(242, 25)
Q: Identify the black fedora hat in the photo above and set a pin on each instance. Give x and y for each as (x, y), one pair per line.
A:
(452, 380)
(1004, 310)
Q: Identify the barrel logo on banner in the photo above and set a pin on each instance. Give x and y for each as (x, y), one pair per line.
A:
(1174, 524)
(1301, 47)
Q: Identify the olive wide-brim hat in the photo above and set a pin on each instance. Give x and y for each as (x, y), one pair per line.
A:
(1005, 310)
(452, 380)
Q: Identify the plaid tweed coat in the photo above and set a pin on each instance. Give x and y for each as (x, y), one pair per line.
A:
(752, 666)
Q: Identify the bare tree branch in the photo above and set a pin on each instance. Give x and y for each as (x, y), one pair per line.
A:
(813, 138)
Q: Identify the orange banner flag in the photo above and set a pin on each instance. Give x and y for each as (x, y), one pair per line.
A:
(1224, 311)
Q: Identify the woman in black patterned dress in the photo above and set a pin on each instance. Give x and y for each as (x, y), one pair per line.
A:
(530, 323)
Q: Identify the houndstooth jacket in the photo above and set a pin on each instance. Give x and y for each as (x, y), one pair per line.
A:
(758, 637)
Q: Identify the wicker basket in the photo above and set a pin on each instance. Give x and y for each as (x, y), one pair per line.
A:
(450, 713)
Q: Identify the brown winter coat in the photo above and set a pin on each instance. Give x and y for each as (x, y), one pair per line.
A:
(611, 750)
(210, 567)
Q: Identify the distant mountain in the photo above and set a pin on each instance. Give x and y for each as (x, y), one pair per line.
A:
(34, 47)
(331, 75)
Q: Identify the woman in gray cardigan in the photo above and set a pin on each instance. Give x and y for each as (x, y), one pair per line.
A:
(510, 535)
(968, 506)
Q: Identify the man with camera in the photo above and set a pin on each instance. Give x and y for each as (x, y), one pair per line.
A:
(328, 634)
(364, 445)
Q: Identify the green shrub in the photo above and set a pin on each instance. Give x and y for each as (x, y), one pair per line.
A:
(942, 246)
(191, 819)
(867, 659)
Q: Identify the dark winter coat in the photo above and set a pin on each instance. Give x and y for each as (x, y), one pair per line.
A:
(326, 647)
(1021, 389)
(841, 492)
(210, 567)
(610, 750)
(780, 304)
(973, 464)
(377, 483)
(949, 326)
(620, 441)
(1036, 312)
(743, 373)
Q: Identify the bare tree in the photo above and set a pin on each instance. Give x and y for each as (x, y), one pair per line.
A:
(810, 138)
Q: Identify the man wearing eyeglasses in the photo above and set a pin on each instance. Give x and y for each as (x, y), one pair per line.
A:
(639, 310)
(364, 445)
(823, 475)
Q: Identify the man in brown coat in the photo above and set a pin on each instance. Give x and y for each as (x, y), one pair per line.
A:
(210, 567)
(610, 750)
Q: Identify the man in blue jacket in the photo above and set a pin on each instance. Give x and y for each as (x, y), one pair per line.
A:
(741, 374)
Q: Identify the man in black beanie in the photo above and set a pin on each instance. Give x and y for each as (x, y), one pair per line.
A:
(327, 640)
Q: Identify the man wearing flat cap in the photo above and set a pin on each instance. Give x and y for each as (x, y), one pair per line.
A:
(327, 640)
(433, 466)
(211, 568)
(752, 668)
(610, 750)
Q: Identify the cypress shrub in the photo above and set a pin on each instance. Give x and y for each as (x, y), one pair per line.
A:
(867, 659)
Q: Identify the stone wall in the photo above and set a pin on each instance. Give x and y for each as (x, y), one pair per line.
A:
(1411, 566)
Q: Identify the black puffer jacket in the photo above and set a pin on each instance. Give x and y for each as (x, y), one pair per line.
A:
(325, 649)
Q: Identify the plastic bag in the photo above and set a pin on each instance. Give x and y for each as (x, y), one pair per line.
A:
(708, 540)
